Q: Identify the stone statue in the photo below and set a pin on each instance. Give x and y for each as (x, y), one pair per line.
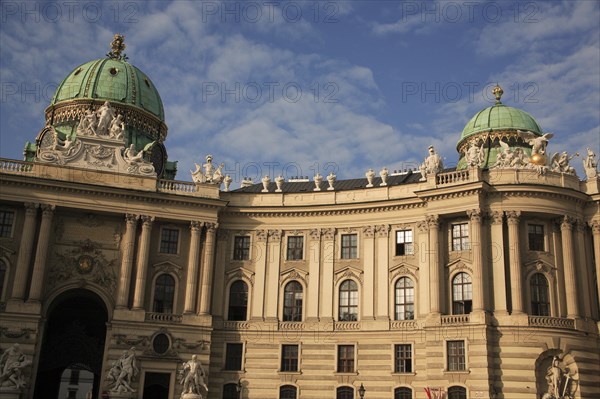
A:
(192, 377)
(474, 155)
(331, 178)
(131, 156)
(590, 165)
(87, 124)
(227, 181)
(12, 363)
(383, 173)
(210, 175)
(318, 178)
(117, 126)
(370, 175)
(105, 116)
(431, 165)
(266, 180)
(560, 163)
(538, 143)
(561, 385)
(279, 183)
(127, 368)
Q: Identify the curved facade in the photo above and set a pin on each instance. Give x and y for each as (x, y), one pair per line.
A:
(481, 282)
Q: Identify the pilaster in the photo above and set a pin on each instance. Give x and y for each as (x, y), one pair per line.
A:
(260, 258)
(433, 223)
(595, 225)
(39, 265)
(382, 272)
(477, 254)
(273, 265)
(127, 260)
(566, 230)
(142, 263)
(314, 264)
(327, 289)
(208, 268)
(191, 286)
(368, 256)
(516, 275)
(25, 249)
(497, 258)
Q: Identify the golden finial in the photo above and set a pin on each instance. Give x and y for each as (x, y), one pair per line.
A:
(497, 92)
(117, 46)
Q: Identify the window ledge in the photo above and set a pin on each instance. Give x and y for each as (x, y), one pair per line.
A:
(405, 374)
(289, 372)
(340, 373)
(464, 372)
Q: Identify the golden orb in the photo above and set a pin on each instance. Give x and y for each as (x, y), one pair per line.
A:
(538, 159)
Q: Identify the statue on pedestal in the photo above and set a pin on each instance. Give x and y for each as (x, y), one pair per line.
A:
(590, 164)
(192, 377)
(125, 369)
(12, 363)
(431, 165)
(370, 175)
(105, 116)
(331, 178)
(561, 384)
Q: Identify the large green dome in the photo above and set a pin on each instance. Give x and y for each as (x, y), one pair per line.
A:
(113, 80)
(499, 117)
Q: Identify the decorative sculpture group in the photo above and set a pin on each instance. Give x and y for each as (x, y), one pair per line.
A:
(103, 122)
(561, 384)
(431, 165)
(12, 364)
(192, 377)
(122, 373)
(207, 173)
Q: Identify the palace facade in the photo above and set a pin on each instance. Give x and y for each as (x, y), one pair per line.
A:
(480, 281)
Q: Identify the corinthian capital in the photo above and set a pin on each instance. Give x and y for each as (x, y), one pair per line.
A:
(513, 217)
(566, 223)
(433, 221)
(474, 215)
(595, 226)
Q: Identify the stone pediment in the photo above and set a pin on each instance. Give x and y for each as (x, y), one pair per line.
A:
(293, 274)
(404, 269)
(460, 264)
(241, 273)
(349, 272)
(167, 267)
(539, 265)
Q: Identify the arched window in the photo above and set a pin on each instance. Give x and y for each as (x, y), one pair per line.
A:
(348, 306)
(457, 393)
(462, 294)
(344, 393)
(403, 393)
(287, 392)
(230, 391)
(164, 292)
(292, 301)
(238, 301)
(404, 299)
(540, 300)
(3, 270)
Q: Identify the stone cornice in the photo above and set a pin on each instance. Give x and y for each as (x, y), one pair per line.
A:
(532, 192)
(129, 197)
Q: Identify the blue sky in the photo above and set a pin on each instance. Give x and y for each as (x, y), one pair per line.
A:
(304, 86)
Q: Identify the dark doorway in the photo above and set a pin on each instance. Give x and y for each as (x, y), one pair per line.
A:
(156, 385)
(73, 339)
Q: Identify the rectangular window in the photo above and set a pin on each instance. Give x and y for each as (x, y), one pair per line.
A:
(289, 358)
(241, 248)
(295, 248)
(460, 237)
(345, 359)
(456, 355)
(233, 357)
(7, 219)
(403, 358)
(349, 246)
(536, 237)
(169, 239)
(404, 242)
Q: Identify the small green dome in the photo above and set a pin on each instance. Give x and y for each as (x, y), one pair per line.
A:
(500, 117)
(114, 80)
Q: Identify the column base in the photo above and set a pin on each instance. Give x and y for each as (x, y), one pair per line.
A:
(10, 393)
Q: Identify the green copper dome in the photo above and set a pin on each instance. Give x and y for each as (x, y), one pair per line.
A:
(113, 80)
(500, 117)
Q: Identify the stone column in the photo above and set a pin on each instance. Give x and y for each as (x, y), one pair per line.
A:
(368, 256)
(583, 269)
(382, 271)
(272, 278)
(39, 265)
(259, 255)
(142, 263)
(497, 254)
(595, 225)
(477, 253)
(516, 276)
(25, 247)
(327, 288)
(314, 271)
(420, 244)
(433, 222)
(566, 232)
(208, 268)
(192, 269)
(126, 261)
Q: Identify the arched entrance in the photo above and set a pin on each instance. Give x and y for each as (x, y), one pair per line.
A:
(73, 342)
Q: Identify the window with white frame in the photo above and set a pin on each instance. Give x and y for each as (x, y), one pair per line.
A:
(456, 356)
(348, 301)
(462, 294)
(349, 246)
(460, 237)
(289, 358)
(404, 242)
(403, 358)
(540, 298)
(345, 359)
(295, 248)
(292, 301)
(404, 299)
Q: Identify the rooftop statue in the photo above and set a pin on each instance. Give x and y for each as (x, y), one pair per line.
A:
(590, 165)
(431, 165)
(474, 155)
(210, 174)
(560, 163)
(538, 146)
